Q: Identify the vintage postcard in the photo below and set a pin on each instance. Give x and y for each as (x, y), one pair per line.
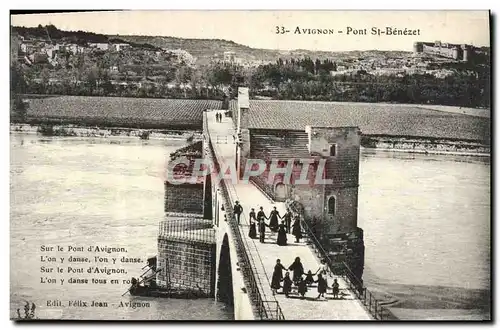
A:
(250, 165)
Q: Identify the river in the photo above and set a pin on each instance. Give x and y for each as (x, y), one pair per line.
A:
(426, 221)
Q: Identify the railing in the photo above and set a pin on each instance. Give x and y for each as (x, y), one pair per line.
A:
(265, 309)
(187, 229)
(369, 301)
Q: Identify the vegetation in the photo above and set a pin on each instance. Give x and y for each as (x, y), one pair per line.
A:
(29, 312)
(144, 135)
(307, 80)
(18, 108)
(49, 130)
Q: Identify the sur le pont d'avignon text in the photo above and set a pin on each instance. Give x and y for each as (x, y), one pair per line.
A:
(78, 266)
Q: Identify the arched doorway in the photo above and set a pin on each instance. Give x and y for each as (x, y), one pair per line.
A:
(332, 204)
(225, 279)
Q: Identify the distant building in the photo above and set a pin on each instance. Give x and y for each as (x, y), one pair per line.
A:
(182, 55)
(341, 68)
(229, 57)
(120, 47)
(74, 48)
(456, 52)
(39, 58)
(100, 46)
(26, 48)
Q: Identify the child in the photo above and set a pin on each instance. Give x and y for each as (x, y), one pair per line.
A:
(309, 278)
(335, 289)
(322, 286)
(302, 288)
(287, 284)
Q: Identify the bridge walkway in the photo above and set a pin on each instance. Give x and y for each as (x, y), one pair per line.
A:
(293, 308)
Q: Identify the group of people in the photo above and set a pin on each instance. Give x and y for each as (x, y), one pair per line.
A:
(302, 280)
(218, 117)
(282, 225)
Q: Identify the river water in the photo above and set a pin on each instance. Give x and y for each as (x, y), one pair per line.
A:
(426, 221)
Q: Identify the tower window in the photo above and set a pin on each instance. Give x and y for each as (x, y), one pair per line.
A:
(331, 205)
(333, 150)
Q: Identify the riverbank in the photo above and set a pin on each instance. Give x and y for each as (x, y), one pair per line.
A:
(424, 302)
(106, 132)
(426, 146)
(381, 143)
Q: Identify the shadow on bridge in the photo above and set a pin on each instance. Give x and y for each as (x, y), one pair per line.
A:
(225, 278)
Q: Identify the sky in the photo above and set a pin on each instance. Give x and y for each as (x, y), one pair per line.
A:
(257, 29)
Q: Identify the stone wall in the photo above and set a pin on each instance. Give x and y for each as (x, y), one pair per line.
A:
(311, 198)
(269, 145)
(187, 265)
(346, 209)
(342, 168)
(184, 198)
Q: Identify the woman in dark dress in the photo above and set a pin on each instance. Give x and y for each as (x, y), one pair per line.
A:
(297, 230)
(251, 215)
(322, 286)
(252, 233)
(287, 284)
(277, 276)
(273, 220)
(281, 240)
(297, 269)
(288, 221)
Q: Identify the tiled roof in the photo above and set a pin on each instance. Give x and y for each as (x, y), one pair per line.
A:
(372, 119)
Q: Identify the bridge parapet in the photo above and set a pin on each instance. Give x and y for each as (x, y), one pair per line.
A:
(372, 305)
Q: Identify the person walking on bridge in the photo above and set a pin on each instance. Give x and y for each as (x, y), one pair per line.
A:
(281, 240)
(323, 268)
(288, 221)
(322, 286)
(298, 270)
(309, 278)
(277, 276)
(262, 230)
(237, 211)
(252, 233)
(273, 219)
(261, 215)
(251, 215)
(335, 289)
(297, 230)
(287, 284)
(302, 288)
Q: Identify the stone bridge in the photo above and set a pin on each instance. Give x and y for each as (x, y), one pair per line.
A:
(219, 258)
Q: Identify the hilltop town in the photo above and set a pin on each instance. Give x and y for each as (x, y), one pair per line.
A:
(51, 61)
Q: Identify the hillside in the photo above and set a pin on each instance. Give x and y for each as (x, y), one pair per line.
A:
(202, 49)
(206, 49)
(51, 61)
